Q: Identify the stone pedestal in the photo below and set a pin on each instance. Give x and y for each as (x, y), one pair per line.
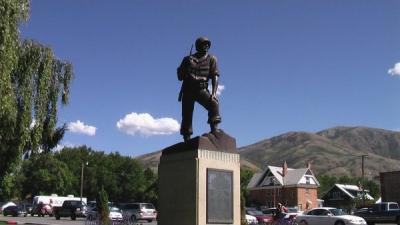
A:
(199, 182)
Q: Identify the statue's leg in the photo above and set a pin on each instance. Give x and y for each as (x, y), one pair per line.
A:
(187, 115)
(212, 106)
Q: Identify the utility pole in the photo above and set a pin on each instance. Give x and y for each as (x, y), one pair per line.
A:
(362, 185)
(83, 167)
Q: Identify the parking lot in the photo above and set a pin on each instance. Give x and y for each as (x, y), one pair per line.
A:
(52, 221)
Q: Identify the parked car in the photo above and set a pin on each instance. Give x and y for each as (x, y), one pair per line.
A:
(384, 212)
(42, 210)
(328, 216)
(290, 211)
(7, 204)
(70, 208)
(138, 211)
(114, 215)
(262, 218)
(251, 220)
(28, 208)
(14, 210)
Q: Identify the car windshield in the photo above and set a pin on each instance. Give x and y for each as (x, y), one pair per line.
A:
(255, 213)
(292, 210)
(114, 209)
(269, 211)
(337, 212)
(147, 206)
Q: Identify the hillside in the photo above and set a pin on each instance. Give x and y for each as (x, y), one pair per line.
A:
(335, 151)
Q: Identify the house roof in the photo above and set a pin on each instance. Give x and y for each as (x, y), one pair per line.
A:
(292, 177)
(346, 188)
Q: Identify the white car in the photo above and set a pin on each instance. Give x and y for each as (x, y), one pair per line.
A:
(328, 216)
(251, 220)
(115, 214)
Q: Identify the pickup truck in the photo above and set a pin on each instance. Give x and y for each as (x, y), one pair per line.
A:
(70, 208)
(384, 212)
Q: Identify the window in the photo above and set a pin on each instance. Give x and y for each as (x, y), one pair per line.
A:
(393, 206)
(308, 180)
(319, 212)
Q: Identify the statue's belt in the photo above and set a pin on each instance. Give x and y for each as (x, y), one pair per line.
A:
(196, 85)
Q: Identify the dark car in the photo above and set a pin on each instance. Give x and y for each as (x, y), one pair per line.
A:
(70, 208)
(14, 211)
(261, 217)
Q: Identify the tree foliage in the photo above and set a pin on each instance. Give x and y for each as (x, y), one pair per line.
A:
(44, 175)
(102, 207)
(245, 177)
(32, 83)
(60, 172)
(122, 177)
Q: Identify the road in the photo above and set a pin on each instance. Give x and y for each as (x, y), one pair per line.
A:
(67, 221)
(53, 221)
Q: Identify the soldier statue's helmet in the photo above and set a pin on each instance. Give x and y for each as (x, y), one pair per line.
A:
(200, 41)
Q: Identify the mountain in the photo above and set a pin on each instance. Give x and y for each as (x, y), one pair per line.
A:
(334, 151)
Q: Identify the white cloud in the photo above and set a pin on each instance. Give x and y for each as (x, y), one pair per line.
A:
(32, 125)
(395, 70)
(219, 89)
(145, 124)
(60, 147)
(80, 128)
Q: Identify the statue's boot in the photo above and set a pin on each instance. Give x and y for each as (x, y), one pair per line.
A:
(214, 127)
(186, 137)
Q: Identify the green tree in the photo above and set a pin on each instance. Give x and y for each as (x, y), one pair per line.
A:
(102, 207)
(245, 177)
(151, 192)
(122, 177)
(32, 83)
(44, 175)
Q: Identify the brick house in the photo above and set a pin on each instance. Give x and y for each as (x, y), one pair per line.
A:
(292, 187)
(390, 186)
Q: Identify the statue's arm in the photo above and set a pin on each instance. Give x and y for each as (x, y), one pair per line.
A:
(214, 77)
(182, 70)
(214, 86)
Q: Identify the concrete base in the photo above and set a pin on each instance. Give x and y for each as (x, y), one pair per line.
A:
(183, 180)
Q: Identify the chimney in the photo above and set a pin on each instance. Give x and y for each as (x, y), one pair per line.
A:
(284, 169)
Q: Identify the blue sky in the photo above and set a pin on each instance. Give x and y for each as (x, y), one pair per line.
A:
(303, 65)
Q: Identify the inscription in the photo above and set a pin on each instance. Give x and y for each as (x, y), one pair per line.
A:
(219, 196)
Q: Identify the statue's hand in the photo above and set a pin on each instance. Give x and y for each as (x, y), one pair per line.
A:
(192, 76)
(214, 98)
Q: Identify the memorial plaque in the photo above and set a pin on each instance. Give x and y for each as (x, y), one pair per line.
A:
(219, 196)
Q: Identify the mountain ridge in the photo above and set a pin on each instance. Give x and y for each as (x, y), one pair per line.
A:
(334, 151)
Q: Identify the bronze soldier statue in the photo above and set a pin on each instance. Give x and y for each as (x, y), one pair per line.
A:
(195, 71)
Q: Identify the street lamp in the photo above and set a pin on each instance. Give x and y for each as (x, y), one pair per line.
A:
(83, 167)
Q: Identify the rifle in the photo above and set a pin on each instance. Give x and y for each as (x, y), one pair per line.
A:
(181, 91)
